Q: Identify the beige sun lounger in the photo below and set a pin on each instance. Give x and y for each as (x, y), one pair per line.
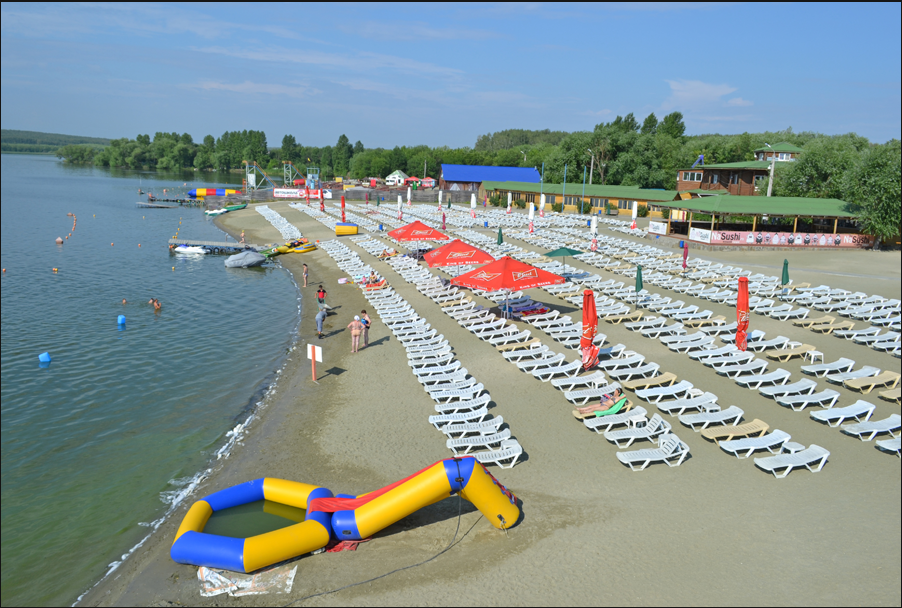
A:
(716, 434)
(829, 328)
(633, 316)
(718, 320)
(787, 354)
(517, 345)
(892, 395)
(791, 288)
(866, 385)
(807, 323)
(665, 379)
(456, 302)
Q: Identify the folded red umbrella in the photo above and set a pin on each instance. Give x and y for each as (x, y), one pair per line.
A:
(590, 326)
(457, 253)
(742, 313)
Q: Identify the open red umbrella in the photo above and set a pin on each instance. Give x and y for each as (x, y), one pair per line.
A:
(507, 273)
(742, 313)
(457, 253)
(590, 326)
(417, 231)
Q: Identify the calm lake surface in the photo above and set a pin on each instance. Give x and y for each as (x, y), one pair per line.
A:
(98, 444)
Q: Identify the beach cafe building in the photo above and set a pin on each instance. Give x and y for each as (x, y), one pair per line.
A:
(758, 221)
(574, 199)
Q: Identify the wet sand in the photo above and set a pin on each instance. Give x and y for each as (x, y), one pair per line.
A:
(715, 530)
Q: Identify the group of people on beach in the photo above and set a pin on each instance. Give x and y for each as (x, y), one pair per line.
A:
(359, 327)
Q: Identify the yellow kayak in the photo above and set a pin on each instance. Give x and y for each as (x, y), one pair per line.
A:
(303, 248)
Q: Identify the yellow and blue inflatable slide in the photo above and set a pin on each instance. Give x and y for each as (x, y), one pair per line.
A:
(344, 517)
(211, 192)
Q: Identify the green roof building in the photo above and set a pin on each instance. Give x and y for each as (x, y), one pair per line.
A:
(780, 152)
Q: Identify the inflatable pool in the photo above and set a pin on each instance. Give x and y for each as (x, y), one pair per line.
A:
(344, 517)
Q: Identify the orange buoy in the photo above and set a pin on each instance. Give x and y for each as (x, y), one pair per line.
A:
(4, 270)
(55, 269)
(111, 244)
(139, 244)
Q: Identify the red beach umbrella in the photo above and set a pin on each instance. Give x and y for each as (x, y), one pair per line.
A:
(590, 326)
(742, 313)
(507, 273)
(417, 231)
(685, 254)
(457, 253)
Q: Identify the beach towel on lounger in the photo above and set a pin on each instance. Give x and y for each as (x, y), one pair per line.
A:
(613, 409)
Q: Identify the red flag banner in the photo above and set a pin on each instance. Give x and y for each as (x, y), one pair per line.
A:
(742, 314)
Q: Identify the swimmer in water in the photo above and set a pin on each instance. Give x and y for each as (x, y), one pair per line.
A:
(156, 305)
(124, 302)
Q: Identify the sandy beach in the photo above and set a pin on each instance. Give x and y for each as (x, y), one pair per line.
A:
(714, 531)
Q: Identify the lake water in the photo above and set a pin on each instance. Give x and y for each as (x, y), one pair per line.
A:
(97, 445)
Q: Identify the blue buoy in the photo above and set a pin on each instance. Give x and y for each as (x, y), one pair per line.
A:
(121, 320)
(44, 357)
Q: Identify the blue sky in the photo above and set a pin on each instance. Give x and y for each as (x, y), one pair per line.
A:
(442, 74)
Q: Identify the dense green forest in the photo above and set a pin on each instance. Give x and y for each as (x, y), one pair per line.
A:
(35, 142)
(621, 152)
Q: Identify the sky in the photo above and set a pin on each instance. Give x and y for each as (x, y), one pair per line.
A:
(443, 74)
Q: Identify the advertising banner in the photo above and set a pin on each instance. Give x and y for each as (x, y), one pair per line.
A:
(287, 193)
(657, 227)
(700, 235)
(789, 239)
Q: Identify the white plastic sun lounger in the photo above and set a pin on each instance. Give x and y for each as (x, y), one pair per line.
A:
(702, 355)
(871, 428)
(670, 450)
(841, 365)
(568, 369)
(446, 387)
(459, 395)
(624, 438)
(813, 458)
(756, 381)
(631, 373)
(455, 376)
(865, 372)
(761, 345)
(739, 369)
(582, 397)
(533, 364)
(798, 313)
(805, 386)
(603, 424)
(593, 380)
(851, 334)
(510, 337)
(667, 330)
(702, 420)
(745, 447)
(476, 416)
(734, 358)
(465, 444)
(510, 450)
(629, 360)
(826, 399)
(693, 401)
(463, 429)
(674, 391)
(691, 345)
(860, 411)
(436, 370)
(469, 405)
(537, 351)
(647, 323)
(893, 446)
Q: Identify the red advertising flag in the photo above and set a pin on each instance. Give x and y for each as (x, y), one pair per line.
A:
(742, 313)
(685, 254)
(590, 326)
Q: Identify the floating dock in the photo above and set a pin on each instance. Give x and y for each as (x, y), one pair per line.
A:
(155, 206)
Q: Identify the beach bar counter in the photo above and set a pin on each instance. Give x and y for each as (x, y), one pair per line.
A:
(757, 221)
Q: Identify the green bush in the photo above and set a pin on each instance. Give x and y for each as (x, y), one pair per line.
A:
(665, 212)
(520, 204)
(642, 211)
(495, 200)
(559, 207)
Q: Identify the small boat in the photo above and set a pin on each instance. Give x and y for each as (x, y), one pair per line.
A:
(189, 250)
(245, 259)
(303, 248)
(215, 211)
(235, 207)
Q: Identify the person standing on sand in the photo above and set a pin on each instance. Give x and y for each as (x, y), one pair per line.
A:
(242, 236)
(305, 275)
(356, 328)
(320, 318)
(365, 319)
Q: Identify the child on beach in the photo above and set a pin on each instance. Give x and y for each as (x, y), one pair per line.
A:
(356, 328)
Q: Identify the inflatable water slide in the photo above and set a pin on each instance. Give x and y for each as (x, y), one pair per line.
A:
(344, 517)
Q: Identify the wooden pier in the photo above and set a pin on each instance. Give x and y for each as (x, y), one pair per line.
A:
(217, 246)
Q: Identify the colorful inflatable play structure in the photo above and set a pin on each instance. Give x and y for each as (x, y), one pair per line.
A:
(344, 517)
(212, 192)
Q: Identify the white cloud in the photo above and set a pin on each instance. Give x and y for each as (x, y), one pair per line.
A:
(739, 102)
(249, 88)
(414, 30)
(693, 94)
(598, 113)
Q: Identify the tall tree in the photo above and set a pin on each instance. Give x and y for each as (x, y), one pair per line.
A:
(358, 148)
(341, 155)
(649, 125)
(873, 188)
(673, 125)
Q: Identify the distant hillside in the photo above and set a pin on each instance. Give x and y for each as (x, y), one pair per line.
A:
(35, 142)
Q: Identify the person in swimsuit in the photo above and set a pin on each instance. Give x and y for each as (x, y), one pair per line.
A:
(305, 275)
(356, 328)
(365, 319)
(606, 403)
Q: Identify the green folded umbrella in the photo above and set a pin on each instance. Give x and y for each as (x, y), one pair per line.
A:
(785, 279)
(638, 282)
(500, 237)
